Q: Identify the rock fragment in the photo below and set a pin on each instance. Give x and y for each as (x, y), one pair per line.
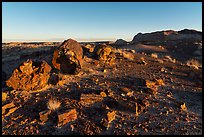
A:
(104, 53)
(89, 99)
(7, 106)
(67, 117)
(128, 55)
(103, 94)
(111, 116)
(183, 107)
(30, 75)
(4, 96)
(44, 116)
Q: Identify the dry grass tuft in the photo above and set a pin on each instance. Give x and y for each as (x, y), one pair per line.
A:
(53, 104)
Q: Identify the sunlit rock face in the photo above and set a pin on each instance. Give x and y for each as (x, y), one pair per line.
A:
(67, 57)
(191, 35)
(30, 75)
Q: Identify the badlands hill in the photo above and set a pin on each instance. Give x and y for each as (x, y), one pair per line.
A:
(169, 35)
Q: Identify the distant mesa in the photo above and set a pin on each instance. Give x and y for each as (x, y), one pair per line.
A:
(187, 31)
(167, 35)
(120, 42)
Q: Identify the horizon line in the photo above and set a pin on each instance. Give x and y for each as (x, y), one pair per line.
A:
(60, 40)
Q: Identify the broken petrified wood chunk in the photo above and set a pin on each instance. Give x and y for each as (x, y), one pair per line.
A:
(88, 50)
(7, 106)
(68, 57)
(111, 116)
(4, 96)
(89, 99)
(27, 68)
(44, 116)
(30, 75)
(104, 53)
(67, 117)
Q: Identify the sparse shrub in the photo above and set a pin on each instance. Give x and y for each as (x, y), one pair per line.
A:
(194, 63)
(154, 55)
(53, 104)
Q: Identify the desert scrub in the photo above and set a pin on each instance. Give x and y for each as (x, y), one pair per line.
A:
(193, 63)
(53, 104)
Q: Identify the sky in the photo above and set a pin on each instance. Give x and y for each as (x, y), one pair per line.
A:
(94, 21)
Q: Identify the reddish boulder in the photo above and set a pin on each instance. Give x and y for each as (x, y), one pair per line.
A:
(74, 46)
(68, 57)
(30, 75)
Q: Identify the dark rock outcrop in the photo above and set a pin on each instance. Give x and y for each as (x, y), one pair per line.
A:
(168, 35)
(68, 57)
(30, 75)
(120, 42)
(187, 31)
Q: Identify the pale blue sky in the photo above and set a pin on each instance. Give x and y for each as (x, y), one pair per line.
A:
(56, 21)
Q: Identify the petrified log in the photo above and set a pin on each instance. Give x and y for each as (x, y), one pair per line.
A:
(104, 53)
(67, 117)
(68, 57)
(90, 99)
(30, 75)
